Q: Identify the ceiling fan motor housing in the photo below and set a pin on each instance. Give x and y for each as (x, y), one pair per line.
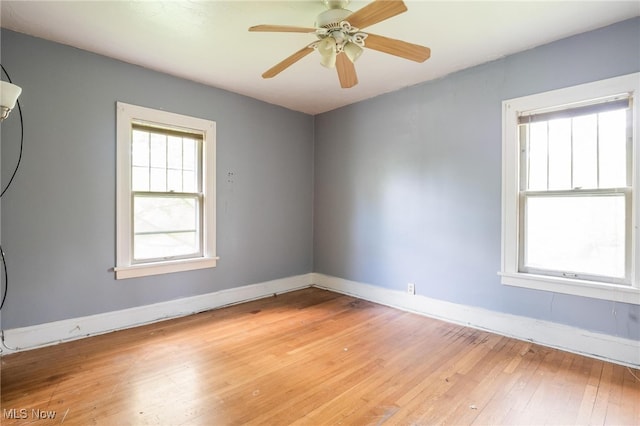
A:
(331, 18)
(336, 4)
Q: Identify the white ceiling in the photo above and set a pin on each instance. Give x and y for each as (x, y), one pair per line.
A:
(208, 41)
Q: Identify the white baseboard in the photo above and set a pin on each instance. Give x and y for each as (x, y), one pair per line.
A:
(18, 339)
(571, 339)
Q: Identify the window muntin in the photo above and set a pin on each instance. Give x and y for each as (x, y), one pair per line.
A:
(165, 192)
(594, 173)
(575, 209)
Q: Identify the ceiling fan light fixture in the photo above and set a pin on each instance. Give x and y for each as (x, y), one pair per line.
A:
(353, 51)
(328, 51)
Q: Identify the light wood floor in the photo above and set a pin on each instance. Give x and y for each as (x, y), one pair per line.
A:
(312, 357)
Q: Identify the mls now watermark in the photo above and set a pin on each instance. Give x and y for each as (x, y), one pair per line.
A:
(31, 414)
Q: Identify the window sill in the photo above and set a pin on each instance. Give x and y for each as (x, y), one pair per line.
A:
(146, 269)
(593, 289)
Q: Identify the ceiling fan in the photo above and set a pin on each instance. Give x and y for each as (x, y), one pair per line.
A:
(341, 39)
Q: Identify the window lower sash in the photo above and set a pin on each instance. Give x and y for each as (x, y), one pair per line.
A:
(620, 275)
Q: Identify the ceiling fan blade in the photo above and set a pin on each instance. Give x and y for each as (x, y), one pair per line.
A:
(346, 71)
(286, 63)
(281, 29)
(375, 12)
(413, 52)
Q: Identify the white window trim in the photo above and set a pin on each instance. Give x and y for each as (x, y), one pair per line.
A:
(124, 268)
(510, 188)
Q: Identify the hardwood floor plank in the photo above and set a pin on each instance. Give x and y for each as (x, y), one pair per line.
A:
(476, 387)
(631, 392)
(388, 387)
(311, 357)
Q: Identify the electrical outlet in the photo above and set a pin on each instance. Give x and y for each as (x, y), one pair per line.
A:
(411, 288)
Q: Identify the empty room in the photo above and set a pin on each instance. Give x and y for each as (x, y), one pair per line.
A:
(320, 212)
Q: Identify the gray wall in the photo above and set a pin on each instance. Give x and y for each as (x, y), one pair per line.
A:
(58, 218)
(408, 184)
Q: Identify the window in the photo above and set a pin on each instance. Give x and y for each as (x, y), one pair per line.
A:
(165, 192)
(570, 190)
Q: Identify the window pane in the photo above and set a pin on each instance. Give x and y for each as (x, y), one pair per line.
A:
(158, 180)
(537, 156)
(158, 148)
(189, 182)
(585, 152)
(612, 130)
(174, 152)
(174, 180)
(190, 154)
(154, 246)
(140, 148)
(560, 154)
(140, 178)
(159, 214)
(165, 226)
(576, 234)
